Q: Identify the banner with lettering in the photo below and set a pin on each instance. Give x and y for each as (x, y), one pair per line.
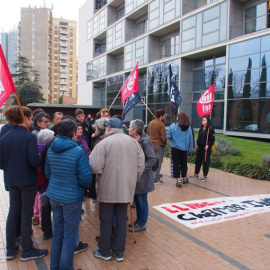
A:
(194, 214)
(205, 103)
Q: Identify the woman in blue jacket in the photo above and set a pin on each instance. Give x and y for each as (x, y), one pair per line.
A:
(181, 142)
(68, 170)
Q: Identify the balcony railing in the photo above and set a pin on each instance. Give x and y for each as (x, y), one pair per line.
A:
(250, 26)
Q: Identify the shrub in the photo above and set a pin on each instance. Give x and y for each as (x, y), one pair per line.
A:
(249, 170)
(224, 147)
(266, 160)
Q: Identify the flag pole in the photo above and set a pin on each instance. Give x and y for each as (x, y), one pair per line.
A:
(147, 107)
(21, 110)
(114, 99)
(207, 140)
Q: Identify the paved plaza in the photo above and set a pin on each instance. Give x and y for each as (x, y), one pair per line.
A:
(166, 244)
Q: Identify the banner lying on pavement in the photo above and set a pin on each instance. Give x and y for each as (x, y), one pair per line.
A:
(194, 214)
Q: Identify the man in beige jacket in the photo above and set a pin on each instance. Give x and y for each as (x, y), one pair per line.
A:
(118, 162)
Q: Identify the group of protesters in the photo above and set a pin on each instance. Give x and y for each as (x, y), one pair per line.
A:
(106, 159)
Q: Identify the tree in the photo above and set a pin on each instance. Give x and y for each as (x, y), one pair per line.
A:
(29, 92)
(25, 73)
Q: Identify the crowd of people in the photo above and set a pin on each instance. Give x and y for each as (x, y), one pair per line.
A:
(51, 170)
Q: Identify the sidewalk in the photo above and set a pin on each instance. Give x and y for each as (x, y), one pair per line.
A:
(166, 244)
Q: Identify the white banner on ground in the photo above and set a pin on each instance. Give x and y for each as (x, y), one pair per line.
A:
(194, 214)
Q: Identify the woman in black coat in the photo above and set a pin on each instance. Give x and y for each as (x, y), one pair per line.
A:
(205, 140)
(146, 183)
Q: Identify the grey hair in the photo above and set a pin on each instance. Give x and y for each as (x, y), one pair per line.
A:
(137, 124)
(99, 125)
(44, 135)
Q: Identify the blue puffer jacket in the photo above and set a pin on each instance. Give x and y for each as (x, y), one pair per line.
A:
(68, 170)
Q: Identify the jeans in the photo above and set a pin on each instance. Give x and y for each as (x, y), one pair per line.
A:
(117, 241)
(21, 202)
(66, 220)
(159, 150)
(141, 208)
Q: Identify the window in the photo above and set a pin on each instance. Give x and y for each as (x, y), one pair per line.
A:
(256, 18)
(169, 47)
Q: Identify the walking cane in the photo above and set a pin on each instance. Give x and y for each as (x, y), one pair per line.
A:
(131, 218)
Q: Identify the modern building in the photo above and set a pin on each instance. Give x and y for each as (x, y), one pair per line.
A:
(9, 46)
(50, 44)
(204, 41)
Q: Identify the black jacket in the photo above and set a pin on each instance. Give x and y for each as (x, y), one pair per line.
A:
(202, 137)
(19, 157)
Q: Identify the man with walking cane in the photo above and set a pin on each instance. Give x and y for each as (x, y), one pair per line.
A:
(118, 162)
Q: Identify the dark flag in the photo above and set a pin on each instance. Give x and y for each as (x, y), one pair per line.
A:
(129, 103)
(175, 94)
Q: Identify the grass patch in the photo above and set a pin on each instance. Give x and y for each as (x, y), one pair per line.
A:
(251, 150)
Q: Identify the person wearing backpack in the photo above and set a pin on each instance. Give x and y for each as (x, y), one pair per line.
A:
(146, 183)
(205, 141)
(181, 142)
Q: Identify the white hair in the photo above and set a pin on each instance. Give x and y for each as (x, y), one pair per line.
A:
(44, 135)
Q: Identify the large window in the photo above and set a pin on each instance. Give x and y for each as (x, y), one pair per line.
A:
(249, 86)
(206, 72)
(169, 47)
(256, 18)
(158, 87)
(114, 84)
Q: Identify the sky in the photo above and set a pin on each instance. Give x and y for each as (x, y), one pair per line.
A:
(10, 11)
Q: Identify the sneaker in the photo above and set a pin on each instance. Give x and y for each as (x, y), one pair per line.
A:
(179, 184)
(81, 247)
(35, 221)
(33, 254)
(130, 225)
(137, 228)
(10, 253)
(204, 178)
(97, 254)
(119, 258)
(185, 180)
(194, 176)
(158, 181)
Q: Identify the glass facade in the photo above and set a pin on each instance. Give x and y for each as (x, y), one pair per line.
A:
(114, 84)
(249, 86)
(96, 69)
(163, 11)
(116, 35)
(207, 71)
(158, 96)
(205, 28)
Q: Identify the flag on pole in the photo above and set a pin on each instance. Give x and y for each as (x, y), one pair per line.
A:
(131, 85)
(205, 103)
(175, 94)
(130, 102)
(6, 83)
(268, 5)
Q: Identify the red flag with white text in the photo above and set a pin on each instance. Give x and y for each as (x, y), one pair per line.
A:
(205, 103)
(6, 83)
(131, 85)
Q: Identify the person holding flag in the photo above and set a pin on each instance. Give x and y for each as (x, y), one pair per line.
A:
(206, 136)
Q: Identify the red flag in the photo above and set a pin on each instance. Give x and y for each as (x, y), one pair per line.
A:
(131, 85)
(205, 103)
(6, 83)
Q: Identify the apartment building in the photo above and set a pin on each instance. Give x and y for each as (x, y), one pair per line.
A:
(9, 46)
(50, 44)
(204, 41)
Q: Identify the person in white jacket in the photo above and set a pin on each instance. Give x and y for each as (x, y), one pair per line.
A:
(118, 162)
